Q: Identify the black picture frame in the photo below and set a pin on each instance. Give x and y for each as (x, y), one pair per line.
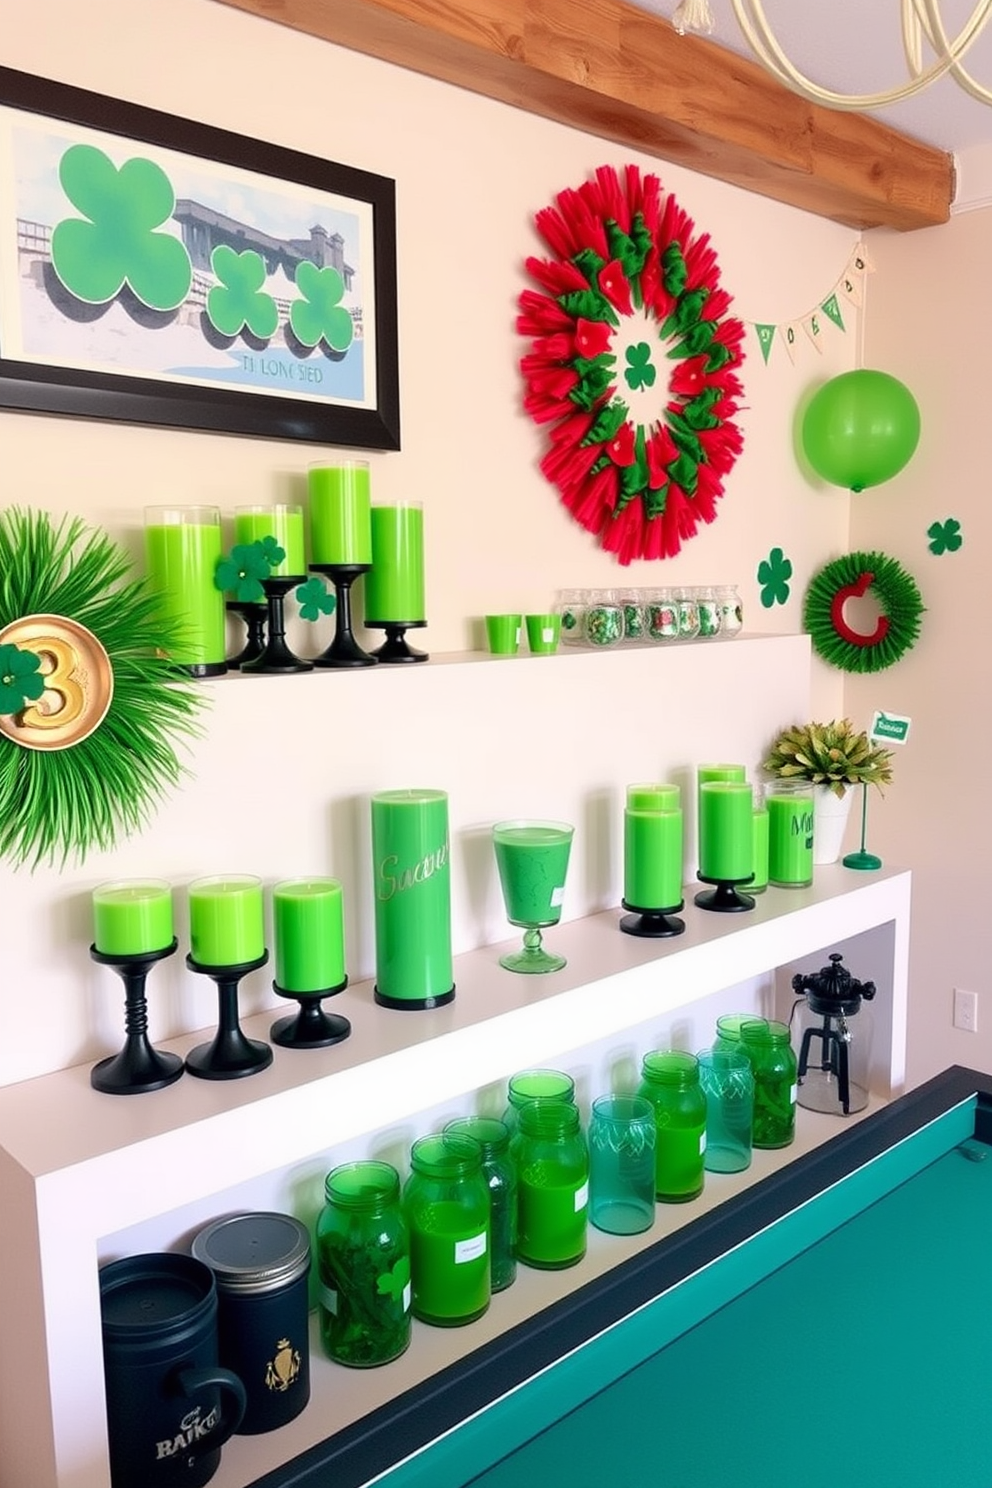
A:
(37, 116)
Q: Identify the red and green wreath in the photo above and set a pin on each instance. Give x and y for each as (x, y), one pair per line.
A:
(629, 290)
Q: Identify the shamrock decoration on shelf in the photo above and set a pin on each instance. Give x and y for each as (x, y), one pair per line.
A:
(314, 599)
(774, 573)
(945, 537)
(21, 681)
(243, 571)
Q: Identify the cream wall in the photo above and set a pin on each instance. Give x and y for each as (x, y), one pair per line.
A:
(470, 174)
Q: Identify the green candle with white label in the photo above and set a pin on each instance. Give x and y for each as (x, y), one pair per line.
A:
(285, 523)
(132, 917)
(790, 833)
(340, 513)
(412, 888)
(308, 924)
(394, 586)
(226, 920)
(652, 856)
(182, 550)
(726, 830)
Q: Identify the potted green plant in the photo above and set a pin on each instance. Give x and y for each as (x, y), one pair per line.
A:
(833, 757)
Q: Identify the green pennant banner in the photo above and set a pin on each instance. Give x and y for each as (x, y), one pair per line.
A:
(766, 335)
(831, 308)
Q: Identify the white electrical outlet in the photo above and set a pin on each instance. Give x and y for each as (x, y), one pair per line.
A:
(965, 1010)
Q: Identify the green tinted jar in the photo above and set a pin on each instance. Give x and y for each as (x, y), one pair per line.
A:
(493, 1137)
(446, 1202)
(552, 1161)
(728, 1029)
(670, 1081)
(773, 1061)
(363, 1260)
(535, 1084)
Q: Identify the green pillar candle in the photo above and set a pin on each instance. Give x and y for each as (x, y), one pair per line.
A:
(132, 917)
(182, 550)
(226, 922)
(309, 934)
(650, 797)
(726, 830)
(790, 833)
(652, 857)
(394, 586)
(412, 884)
(720, 772)
(285, 523)
(340, 513)
(759, 882)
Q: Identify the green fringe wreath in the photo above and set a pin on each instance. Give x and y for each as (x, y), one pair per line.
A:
(62, 803)
(898, 598)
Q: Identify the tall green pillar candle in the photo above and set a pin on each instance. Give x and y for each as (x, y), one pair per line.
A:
(650, 797)
(759, 882)
(132, 917)
(285, 523)
(226, 921)
(340, 513)
(412, 884)
(726, 830)
(394, 586)
(652, 858)
(308, 924)
(790, 833)
(720, 772)
(182, 550)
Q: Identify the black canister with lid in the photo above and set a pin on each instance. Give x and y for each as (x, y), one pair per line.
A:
(261, 1265)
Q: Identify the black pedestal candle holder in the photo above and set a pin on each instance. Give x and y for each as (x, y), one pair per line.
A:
(653, 923)
(138, 1066)
(231, 1054)
(311, 1027)
(395, 647)
(344, 650)
(276, 655)
(724, 897)
(254, 613)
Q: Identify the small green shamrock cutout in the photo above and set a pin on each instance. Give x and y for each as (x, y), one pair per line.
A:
(945, 537)
(394, 1283)
(640, 373)
(117, 243)
(20, 679)
(774, 573)
(272, 552)
(319, 314)
(239, 299)
(243, 571)
(314, 600)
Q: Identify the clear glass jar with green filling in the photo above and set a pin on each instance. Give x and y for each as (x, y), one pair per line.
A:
(363, 1259)
(552, 1162)
(670, 1081)
(446, 1202)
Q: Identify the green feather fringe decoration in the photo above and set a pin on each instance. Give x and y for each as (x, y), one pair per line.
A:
(898, 598)
(62, 803)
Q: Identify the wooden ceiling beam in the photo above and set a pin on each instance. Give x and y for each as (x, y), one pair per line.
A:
(618, 72)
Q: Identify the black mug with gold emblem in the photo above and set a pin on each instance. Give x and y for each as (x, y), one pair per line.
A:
(261, 1264)
(170, 1405)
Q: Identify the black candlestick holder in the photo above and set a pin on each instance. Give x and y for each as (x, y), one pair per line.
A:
(254, 613)
(276, 655)
(344, 650)
(724, 897)
(138, 1066)
(652, 922)
(395, 647)
(311, 1027)
(231, 1054)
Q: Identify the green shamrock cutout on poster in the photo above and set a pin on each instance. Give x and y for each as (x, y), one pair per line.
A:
(116, 241)
(774, 573)
(20, 679)
(640, 373)
(319, 315)
(239, 299)
(945, 537)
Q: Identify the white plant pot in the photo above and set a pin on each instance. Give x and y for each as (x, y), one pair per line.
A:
(830, 815)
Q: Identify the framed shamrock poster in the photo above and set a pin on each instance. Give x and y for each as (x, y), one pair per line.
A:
(155, 270)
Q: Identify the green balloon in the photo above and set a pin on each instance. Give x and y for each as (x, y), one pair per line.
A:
(861, 428)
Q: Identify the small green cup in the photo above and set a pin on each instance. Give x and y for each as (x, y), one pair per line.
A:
(503, 634)
(543, 633)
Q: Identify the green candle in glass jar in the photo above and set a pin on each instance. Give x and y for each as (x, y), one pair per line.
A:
(182, 550)
(132, 917)
(394, 586)
(285, 523)
(652, 846)
(340, 513)
(790, 833)
(308, 923)
(726, 830)
(226, 921)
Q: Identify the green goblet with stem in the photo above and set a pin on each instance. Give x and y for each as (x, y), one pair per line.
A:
(532, 858)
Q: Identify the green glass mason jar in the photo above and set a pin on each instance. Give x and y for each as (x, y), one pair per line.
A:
(773, 1060)
(535, 1084)
(670, 1081)
(363, 1261)
(728, 1028)
(446, 1202)
(493, 1137)
(552, 1163)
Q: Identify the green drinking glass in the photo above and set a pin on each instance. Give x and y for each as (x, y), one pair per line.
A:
(532, 858)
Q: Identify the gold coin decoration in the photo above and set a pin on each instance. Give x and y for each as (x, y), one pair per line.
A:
(79, 683)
